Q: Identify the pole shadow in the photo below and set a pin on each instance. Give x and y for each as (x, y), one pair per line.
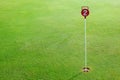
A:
(74, 76)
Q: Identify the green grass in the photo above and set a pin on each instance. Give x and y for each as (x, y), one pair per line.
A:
(44, 40)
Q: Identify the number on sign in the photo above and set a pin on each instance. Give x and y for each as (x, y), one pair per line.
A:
(85, 12)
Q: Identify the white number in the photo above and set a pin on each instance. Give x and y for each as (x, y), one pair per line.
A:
(85, 12)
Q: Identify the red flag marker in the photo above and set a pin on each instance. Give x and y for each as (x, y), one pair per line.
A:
(85, 11)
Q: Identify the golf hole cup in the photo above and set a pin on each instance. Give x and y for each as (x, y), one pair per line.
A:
(85, 11)
(86, 69)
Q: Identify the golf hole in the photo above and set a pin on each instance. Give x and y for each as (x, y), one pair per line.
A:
(86, 69)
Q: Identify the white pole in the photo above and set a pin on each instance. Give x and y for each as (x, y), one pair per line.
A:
(85, 42)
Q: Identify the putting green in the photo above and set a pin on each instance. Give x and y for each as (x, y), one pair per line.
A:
(44, 40)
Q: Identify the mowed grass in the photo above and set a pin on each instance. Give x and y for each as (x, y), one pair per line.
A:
(44, 40)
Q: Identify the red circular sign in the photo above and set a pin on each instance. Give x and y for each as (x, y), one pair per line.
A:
(85, 12)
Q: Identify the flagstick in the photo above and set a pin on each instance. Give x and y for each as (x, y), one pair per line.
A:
(85, 13)
(85, 42)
